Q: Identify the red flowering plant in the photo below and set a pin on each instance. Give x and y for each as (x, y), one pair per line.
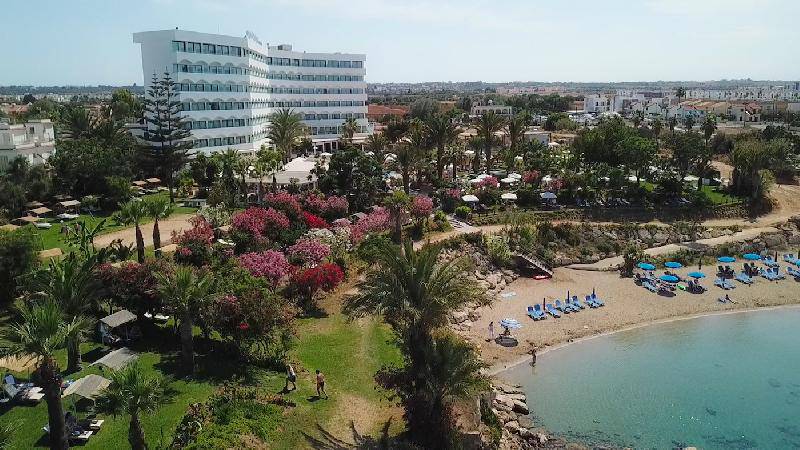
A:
(253, 227)
(194, 244)
(421, 207)
(488, 182)
(336, 207)
(270, 265)
(286, 203)
(531, 177)
(308, 252)
(315, 203)
(306, 283)
(314, 221)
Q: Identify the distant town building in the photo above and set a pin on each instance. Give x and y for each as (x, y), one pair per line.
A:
(596, 103)
(480, 109)
(34, 140)
(376, 113)
(229, 86)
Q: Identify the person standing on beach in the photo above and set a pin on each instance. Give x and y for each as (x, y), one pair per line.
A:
(491, 332)
(321, 385)
(533, 356)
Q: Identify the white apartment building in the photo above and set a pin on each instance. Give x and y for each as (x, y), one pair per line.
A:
(595, 103)
(229, 86)
(33, 140)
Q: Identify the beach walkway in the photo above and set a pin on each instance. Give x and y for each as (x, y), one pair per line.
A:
(701, 244)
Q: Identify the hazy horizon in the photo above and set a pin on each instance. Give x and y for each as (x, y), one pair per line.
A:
(89, 42)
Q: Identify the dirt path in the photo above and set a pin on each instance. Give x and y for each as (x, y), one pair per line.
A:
(177, 223)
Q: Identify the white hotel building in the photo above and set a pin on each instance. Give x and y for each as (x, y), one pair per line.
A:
(230, 85)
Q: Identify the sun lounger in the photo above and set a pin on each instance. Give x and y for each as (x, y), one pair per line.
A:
(769, 262)
(560, 306)
(597, 300)
(744, 278)
(793, 272)
(770, 275)
(720, 283)
(534, 314)
(722, 300)
(577, 302)
(790, 258)
(588, 300)
(537, 310)
(553, 312)
(650, 286)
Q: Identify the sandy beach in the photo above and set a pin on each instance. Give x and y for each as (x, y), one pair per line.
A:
(626, 305)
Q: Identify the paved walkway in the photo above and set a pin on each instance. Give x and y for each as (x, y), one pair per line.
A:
(177, 223)
(701, 244)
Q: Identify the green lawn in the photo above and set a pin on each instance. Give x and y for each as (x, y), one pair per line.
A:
(52, 238)
(349, 353)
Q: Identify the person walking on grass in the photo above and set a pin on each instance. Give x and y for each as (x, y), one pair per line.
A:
(291, 377)
(321, 385)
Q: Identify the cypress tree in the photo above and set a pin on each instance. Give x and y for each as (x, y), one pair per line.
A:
(166, 145)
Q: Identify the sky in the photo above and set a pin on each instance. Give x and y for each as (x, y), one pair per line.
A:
(89, 42)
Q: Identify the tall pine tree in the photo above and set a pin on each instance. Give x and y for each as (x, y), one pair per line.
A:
(166, 139)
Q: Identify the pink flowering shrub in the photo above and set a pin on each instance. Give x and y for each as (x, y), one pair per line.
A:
(377, 220)
(453, 193)
(421, 206)
(308, 251)
(336, 206)
(488, 182)
(341, 223)
(270, 264)
(315, 203)
(556, 184)
(286, 202)
(260, 223)
(194, 244)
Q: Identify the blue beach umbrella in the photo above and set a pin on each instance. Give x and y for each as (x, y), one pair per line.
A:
(751, 256)
(669, 278)
(673, 265)
(726, 259)
(697, 274)
(510, 323)
(646, 266)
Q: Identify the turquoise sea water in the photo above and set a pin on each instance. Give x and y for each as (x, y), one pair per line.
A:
(727, 381)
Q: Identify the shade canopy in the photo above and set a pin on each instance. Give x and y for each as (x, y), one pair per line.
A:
(669, 278)
(673, 265)
(87, 387)
(751, 256)
(515, 175)
(117, 359)
(509, 180)
(697, 274)
(548, 195)
(469, 198)
(118, 318)
(646, 266)
(510, 323)
(69, 203)
(509, 196)
(726, 259)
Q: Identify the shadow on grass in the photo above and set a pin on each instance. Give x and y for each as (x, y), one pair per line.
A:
(327, 441)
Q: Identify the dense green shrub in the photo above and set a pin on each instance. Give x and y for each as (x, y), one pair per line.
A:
(17, 256)
(370, 248)
(498, 249)
(462, 212)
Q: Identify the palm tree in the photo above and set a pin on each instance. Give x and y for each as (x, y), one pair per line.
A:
(656, 126)
(377, 143)
(516, 129)
(397, 203)
(441, 132)
(672, 122)
(77, 123)
(689, 122)
(132, 392)
(185, 291)
(476, 145)
(414, 292)
(407, 157)
(709, 126)
(70, 283)
(456, 156)
(680, 92)
(637, 119)
(268, 161)
(285, 129)
(133, 212)
(39, 333)
(158, 208)
(349, 129)
(487, 125)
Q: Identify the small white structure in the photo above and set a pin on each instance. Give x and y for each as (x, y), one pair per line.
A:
(117, 359)
(469, 198)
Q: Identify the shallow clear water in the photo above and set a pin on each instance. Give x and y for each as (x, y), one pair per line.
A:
(727, 381)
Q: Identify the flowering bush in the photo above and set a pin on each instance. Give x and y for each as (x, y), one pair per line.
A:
(194, 244)
(453, 193)
(378, 220)
(488, 182)
(324, 277)
(421, 206)
(336, 206)
(270, 264)
(132, 285)
(218, 215)
(309, 251)
(530, 177)
(286, 202)
(260, 222)
(556, 184)
(450, 198)
(315, 203)
(341, 223)
(313, 221)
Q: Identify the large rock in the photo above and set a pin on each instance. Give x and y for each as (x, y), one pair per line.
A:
(794, 238)
(520, 407)
(774, 240)
(512, 426)
(459, 316)
(525, 422)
